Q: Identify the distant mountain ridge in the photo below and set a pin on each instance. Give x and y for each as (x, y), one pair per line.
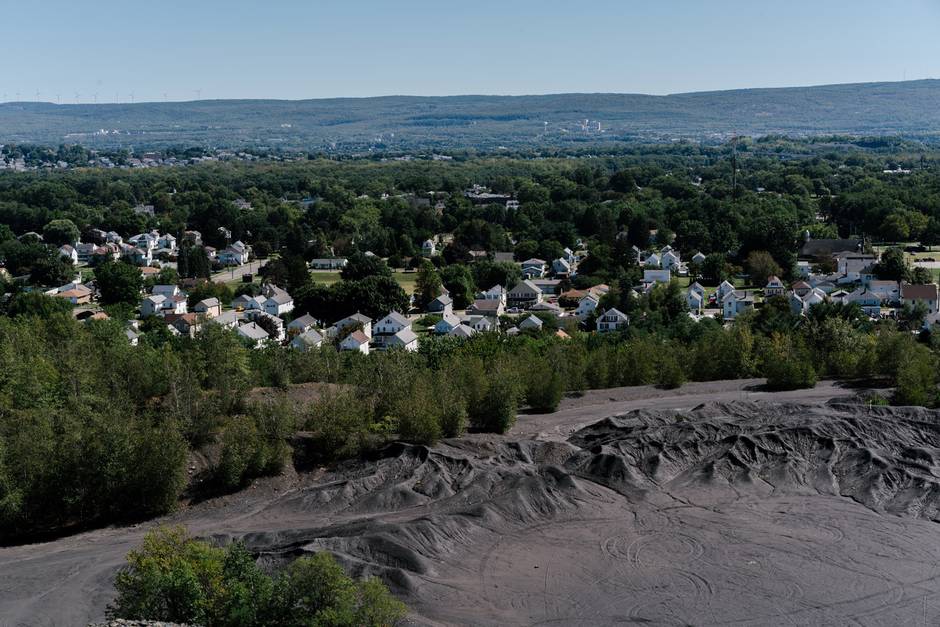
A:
(407, 123)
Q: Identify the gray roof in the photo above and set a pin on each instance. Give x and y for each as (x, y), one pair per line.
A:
(252, 331)
(305, 320)
(208, 302)
(462, 330)
(310, 336)
(405, 336)
(525, 287)
(532, 321)
(394, 316)
(281, 298)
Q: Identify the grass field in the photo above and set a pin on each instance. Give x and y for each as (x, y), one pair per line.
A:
(405, 279)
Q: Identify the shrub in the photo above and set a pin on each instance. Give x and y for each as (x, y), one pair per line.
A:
(173, 577)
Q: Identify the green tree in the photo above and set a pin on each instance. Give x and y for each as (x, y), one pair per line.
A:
(61, 231)
(427, 285)
(119, 282)
(761, 266)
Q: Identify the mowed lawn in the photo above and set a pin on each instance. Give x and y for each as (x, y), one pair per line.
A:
(405, 279)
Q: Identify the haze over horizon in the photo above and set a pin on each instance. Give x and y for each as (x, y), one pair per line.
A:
(115, 52)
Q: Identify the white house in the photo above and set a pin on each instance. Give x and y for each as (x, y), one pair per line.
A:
(462, 331)
(356, 320)
(235, 254)
(277, 302)
(355, 341)
(278, 334)
(698, 258)
(246, 302)
(925, 295)
(561, 267)
(208, 307)
(481, 323)
(723, 290)
(735, 303)
(586, 306)
(670, 260)
(152, 305)
(68, 252)
(774, 287)
(165, 290)
(428, 248)
(524, 294)
(867, 300)
(888, 291)
(254, 334)
(699, 289)
(533, 268)
(694, 301)
(391, 324)
(486, 307)
(166, 241)
(612, 320)
(307, 340)
(653, 261)
(301, 324)
(333, 263)
(532, 322)
(446, 324)
(404, 339)
(443, 304)
(497, 292)
(226, 319)
(656, 276)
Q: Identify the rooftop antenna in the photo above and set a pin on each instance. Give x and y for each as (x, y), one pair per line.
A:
(58, 98)
(198, 94)
(132, 97)
(95, 96)
(76, 97)
(37, 95)
(164, 97)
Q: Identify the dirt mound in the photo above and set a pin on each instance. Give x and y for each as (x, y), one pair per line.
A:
(743, 511)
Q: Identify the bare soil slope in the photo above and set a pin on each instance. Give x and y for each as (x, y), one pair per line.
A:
(763, 511)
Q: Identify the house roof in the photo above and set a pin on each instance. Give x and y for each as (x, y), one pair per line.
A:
(394, 316)
(358, 337)
(532, 320)
(533, 262)
(487, 305)
(443, 299)
(828, 247)
(926, 291)
(462, 330)
(616, 313)
(305, 320)
(801, 285)
(281, 298)
(310, 336)
(252, 331)
(226, 318)
(405, 336)
(449, 319)
(208, 302)
(525, 287)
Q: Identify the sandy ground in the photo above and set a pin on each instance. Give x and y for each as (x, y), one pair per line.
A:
(750, 508)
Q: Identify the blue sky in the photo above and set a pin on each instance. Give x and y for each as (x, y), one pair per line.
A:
(323, 48)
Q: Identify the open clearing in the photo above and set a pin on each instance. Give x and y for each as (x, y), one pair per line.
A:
(750, 507)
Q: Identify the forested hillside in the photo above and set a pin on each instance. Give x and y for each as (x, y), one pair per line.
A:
(404, 123)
